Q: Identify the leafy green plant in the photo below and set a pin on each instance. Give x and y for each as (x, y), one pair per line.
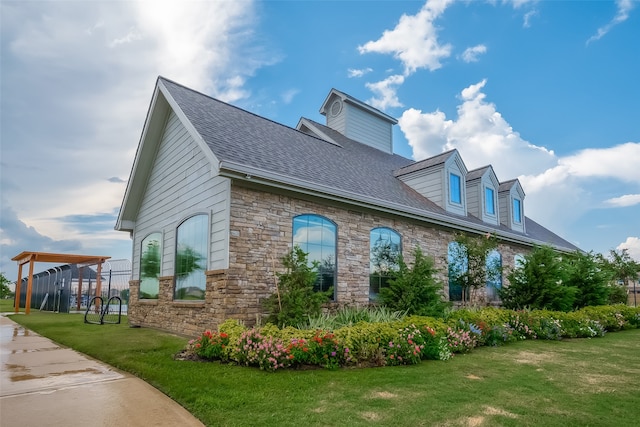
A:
(211, 345)
(538, 283)
(415, 290)
(295, 299)
(584, 273)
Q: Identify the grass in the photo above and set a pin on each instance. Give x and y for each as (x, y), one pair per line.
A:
(6, 305)
(530, 383)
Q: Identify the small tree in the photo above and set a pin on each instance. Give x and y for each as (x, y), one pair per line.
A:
(295, 299)
(467, 261)
(538, 283)
(5, 291)
(415, 289)
(585, 274)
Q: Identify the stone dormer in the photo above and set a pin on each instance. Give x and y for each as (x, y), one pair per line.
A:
(358, 121)
(441, 179)
(511, 202)
(482, 194)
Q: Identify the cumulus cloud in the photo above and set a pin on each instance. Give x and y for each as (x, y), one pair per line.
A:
(559, 189)
(385, 92)
(414, 40)
(76, 85)
(623, 201)
(351, 72)
(632, 245)
(471, 54)
(622, 14)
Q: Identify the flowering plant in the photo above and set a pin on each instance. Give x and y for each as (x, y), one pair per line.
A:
(407, 348)
(267, 353)
(211, 345)
(460, 340)
(298, 350)
(328, 352)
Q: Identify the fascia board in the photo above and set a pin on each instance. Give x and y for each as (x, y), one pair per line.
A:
(213, 160)
(241, 172)
(150, 124)
(317, 132)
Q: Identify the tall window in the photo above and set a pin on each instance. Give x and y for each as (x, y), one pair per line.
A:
(191, 258)
(384, 256)
(494, 274)
(517, 210)
(489, 201)
(455, 188)
(316, 235)
(458, 265)
(150, 258)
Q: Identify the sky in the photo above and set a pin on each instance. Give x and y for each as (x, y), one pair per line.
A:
(545, 91)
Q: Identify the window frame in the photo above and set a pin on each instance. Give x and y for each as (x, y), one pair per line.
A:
(516, 206)
(458, 180)
(141, 279)
(378, 277)
(325, 222)
(201, 282)
(488, 189)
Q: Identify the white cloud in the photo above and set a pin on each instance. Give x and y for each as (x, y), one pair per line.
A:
(77, 80)
(479, 132)
(624, 201)
(622, 13)
(414, 40)
(632, 245)
(385, 92)
(526, 21)
(559, 189)
(471, 54)
(351, 72)
(288, 95)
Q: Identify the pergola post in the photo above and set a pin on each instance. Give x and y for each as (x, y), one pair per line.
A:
(16, 304)
(27, 300)
(79, 298)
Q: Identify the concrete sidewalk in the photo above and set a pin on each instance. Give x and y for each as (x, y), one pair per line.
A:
(42, 384)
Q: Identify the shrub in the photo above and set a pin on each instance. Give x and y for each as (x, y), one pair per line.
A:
(461, 340)
(328, 352)
(538, 283)
(295, 299)
(415, 290)
(211, 345)
(584, 273)
(268, 353)
(406, 349)
(618, 294)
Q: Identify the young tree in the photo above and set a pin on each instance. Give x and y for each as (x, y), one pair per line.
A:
(538, 282)
(467, 263)
(5, 291)
(295, 299)
(623, 270)
(415, 289)
(585, 274)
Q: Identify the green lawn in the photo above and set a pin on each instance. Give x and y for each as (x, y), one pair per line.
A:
(578, 382)
(6, 305)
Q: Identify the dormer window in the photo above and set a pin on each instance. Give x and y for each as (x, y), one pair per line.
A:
(455, 189)
(489, 201)
(517, 211)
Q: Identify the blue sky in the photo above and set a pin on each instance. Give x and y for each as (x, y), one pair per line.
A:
(544, 91)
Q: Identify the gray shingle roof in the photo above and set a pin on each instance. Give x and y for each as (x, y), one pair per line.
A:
(351, 170)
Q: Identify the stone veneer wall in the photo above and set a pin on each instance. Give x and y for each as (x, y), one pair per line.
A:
(260, 234)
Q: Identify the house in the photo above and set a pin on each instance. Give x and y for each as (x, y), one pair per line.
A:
(217, 195)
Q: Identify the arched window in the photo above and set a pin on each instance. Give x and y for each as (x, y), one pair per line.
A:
(150, 259)
(316, 235)
(191, 258)
(384, 255)
(494, 274)
(458, 265)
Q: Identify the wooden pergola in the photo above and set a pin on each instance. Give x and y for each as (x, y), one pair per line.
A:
(32, 257)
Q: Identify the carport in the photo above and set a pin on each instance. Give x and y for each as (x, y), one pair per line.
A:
(32, 257)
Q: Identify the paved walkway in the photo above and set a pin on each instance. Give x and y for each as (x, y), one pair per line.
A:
(43, 384)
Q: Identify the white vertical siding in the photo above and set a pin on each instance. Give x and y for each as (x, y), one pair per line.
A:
(180, 185)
